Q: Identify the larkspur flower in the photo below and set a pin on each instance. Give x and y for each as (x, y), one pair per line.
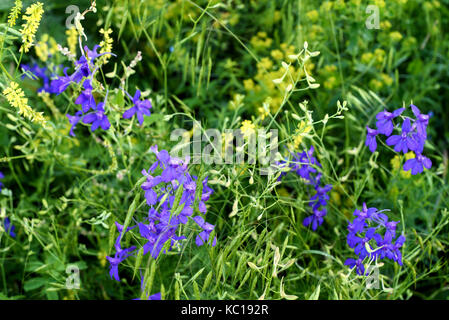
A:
(86, 99)
(366, 238)
(139, 108)
(417, 164)
(384, 121)
(405, 141)
(2, 176)
(371, 142)
(73, 120)
(9, 228)
(172, 197)
(422, 120)
(97, 118)
(303, 164)
(412, 138)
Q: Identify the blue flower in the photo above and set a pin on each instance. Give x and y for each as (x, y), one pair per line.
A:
(405, 141)
(97, 118)
(73, 120)
(139, 109)
(1, 178)
(417, 164)
(303, 164)
(86, 99)
(384, 121)
(172, 196)
(371, 142)
(366, 238)
(9, 228)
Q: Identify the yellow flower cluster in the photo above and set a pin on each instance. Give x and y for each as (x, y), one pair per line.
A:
(261, 41)
(45, 47)
(14, 14)
(16, 98)
(247, 128)
(106, 45)
(72, 39)
(32, 16)
(268, 69)
(396, 164)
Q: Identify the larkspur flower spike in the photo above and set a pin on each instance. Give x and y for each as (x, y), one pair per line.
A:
(302, 165)
(171, 196)
(371, 229)
(412, 137)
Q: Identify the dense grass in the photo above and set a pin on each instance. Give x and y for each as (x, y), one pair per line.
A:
(214, 62)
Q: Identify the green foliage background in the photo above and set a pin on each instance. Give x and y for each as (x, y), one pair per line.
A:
(64, 194)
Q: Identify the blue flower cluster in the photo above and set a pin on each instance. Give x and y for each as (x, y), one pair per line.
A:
(172, 196)
(91, 112)
(7, 225)
(365, 230)
(303, 164)
(35, 72)
(413, 136)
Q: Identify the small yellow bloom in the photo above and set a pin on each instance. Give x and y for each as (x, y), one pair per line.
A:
(106, 45)
(277, 54)
(386, 79)
(312, 15)
(16, 98)
(14, 14)
(32, 16)
(72, 39)
(248, 84)
(395, 36)
(247, 128)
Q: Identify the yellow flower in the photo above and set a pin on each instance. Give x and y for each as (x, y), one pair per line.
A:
(367, 57)
(375, 84)
(14, 14)
(247, 128)
(277, 54)
(16, 98)
(385, 25)
(395, 36)
(72, 39)
(32, 16)
(106, 45)
(41, 48)
(312, 15)
(265, 63)
(248, 84)
(386, 79)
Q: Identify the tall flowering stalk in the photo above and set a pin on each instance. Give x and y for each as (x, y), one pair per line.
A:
(16, 98)
(372, 236)
(32, 16)
(303, 165)
(173, 196)
(412, 137)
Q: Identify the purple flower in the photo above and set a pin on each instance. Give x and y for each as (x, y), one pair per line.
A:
(417, 164)
(365, 232)
(97, 118)
(316, 219)
(172, 197)
(140, 108)
(86, 99)
(9, 228)
(73, 120)
(371, 142)
(384, 121)
(422, 120)
(1, 177)
(303, 165)
(203, 237)
(360, 268)
(405, 141)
